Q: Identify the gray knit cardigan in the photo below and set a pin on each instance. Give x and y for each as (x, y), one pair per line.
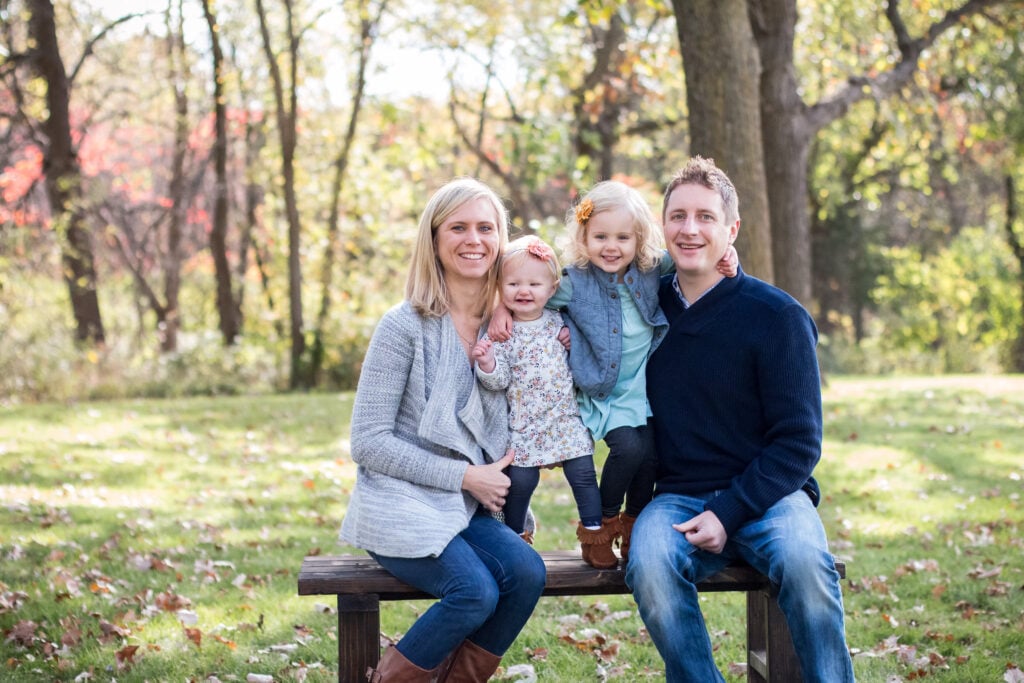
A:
(419, 420)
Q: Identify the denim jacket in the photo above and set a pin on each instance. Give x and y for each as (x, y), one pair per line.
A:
(594, 316)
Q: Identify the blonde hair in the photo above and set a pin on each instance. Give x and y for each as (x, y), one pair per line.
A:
(704, 172)
(531, 246)
(425, 287)
(609, 195)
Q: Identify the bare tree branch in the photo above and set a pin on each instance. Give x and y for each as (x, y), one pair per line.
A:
(858, 88)
(91, 44)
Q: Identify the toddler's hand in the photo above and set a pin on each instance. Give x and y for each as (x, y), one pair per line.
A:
(564, 338)
(729, 263)
(483, 354)
(500, 327)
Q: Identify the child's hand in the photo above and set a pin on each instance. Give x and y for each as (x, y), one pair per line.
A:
(564, 338)
(500, 327)
(483, 354)
(729, 263)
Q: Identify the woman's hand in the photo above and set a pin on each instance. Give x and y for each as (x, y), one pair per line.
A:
(489, 483)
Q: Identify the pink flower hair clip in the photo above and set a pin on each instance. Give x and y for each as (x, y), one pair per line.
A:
(538, 248)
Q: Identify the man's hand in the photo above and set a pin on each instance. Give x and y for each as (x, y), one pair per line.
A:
(489, 483)
(704, 531)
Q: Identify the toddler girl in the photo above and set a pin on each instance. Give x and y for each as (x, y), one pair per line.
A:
(544, 417)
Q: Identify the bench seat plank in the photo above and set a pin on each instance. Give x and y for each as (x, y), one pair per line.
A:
(360, 584)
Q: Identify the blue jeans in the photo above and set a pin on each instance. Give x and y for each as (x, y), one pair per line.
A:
(629, 470)
(787, 544)
(487, 581)
(582, 478)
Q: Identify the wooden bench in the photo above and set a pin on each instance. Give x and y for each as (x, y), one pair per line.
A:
(361, 584)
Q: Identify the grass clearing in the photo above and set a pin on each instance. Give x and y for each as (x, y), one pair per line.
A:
(159, 540)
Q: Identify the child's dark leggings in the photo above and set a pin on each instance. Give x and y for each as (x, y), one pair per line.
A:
(629, 471)
(582, 478)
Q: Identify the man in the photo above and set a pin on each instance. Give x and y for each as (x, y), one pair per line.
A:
(736, 398)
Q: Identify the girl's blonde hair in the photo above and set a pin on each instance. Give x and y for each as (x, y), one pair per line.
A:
(425, 287)
(531, 246)
(609, 195)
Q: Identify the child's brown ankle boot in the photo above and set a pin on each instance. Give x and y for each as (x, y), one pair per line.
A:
(626, 530)
(597, 543)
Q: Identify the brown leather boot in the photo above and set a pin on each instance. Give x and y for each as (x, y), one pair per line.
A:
(471, 664)
(626, 523)
(597, 543)
(395, 668)
(527, 536)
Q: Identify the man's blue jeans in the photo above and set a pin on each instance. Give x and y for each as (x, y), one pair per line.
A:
(787, 544)
(488, 581)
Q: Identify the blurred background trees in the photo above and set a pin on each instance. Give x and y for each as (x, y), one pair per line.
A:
(206, 197)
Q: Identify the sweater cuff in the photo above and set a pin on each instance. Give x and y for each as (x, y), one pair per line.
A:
(730, 512)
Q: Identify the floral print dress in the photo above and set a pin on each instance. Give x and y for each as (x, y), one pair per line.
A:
(544, 418)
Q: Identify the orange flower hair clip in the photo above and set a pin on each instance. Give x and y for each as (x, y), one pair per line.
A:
(583, 211)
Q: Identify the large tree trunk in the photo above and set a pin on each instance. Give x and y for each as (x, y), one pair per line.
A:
(786, 138)
(63, 178)
(1016, 242)
(723, 94)
(229, 319)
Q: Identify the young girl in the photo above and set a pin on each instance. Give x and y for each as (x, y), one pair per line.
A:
(544, 418)
(609, 299)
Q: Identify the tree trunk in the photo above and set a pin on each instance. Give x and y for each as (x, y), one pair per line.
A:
(63, 177)
(286, 126)
(786, 138)
(723, 94)
(1016, 242)
(229, 321)
(368, 31)
(169, 319)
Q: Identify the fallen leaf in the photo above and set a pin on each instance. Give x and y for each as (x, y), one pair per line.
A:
(195, 635)
(125, 656)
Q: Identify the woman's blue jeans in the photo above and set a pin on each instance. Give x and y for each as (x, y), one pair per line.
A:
(787, 544)
(487, 581)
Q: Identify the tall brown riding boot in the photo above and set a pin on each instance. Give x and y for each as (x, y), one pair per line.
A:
(395, 668)
(626, 523)
(471, 664)
(597, 543)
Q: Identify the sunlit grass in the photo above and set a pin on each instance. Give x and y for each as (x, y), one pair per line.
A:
(214, 501)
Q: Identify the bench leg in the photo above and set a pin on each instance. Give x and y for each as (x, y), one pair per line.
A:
(771, 657)
(358, 636)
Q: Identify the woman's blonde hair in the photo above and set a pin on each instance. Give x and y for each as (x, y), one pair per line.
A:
(425, 287)
(609, 195)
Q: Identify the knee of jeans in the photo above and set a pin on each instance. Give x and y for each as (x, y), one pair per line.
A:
(530, 574)
(475, 597)
(654, 565)
(811, 572)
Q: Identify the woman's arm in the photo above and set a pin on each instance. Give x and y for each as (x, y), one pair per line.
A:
(386, 382)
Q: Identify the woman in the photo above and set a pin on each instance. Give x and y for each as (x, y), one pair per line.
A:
(431, 446)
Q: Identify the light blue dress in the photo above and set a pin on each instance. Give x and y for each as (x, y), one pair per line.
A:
(629, 395)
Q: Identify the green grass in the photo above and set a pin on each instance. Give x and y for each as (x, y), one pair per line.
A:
(117, 515)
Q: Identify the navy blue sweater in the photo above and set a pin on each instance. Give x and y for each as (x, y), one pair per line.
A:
(736, 396)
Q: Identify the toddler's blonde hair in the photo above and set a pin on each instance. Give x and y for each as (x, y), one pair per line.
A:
(609, 195)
